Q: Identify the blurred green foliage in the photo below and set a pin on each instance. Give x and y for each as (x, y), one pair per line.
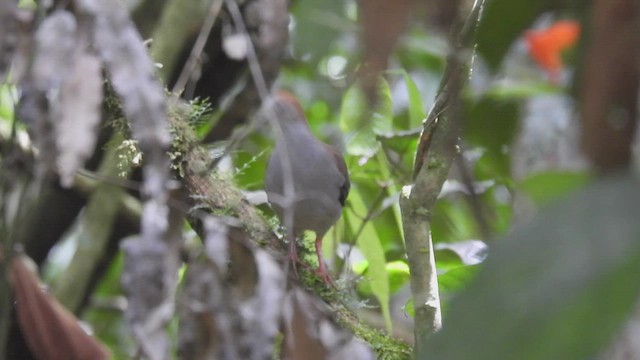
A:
(379, 143)
(530, 299)
(8, 97)
(558, 287)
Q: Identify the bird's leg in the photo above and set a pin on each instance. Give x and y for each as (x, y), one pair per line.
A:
(322, 269)
(293, 250)
(293, 255)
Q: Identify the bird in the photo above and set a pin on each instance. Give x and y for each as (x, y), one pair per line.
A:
(306, 180)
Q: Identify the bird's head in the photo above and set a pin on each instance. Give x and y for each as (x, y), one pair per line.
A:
(285, 108)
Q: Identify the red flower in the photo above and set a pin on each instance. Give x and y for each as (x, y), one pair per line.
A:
(546, 45)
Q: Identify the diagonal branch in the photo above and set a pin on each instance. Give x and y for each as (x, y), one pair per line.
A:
(213, 193)
(436, 152)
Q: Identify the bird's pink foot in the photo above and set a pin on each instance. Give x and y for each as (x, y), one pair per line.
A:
(322, 269)
(323, 274)
(294, 258)
(293, 252)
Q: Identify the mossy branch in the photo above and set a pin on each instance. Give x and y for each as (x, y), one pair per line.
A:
(216, 193)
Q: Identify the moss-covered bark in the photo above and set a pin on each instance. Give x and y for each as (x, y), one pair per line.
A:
(216, 193)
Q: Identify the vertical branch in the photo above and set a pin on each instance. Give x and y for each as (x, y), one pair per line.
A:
(609, 89)
(100, 215)
(436, 152)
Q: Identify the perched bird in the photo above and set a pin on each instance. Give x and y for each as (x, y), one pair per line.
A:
(307, 181)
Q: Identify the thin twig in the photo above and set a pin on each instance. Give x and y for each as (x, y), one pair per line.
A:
(259, 82)
(370, 215)
(474, 201)
(122, 182)
(263, 93)
(198, 47)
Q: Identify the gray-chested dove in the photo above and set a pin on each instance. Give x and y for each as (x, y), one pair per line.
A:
(314, 191)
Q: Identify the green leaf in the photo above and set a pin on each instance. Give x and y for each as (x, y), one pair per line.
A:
(370, 245)
(409, 309)
(353, 109)
(397, 271)
(317, 25)
(546, 187)
(383, 116)
(492, 125)
(361, 139)
(318, 113)
(557, 288)
(251, 162)
(425, 50)
(511, 91)
(498, 207)
(360, 267)
(453, 221)
(8, 96)
(388, 222)
(454, 280)
(400, 150)
(447, 260)
(363, 143)
(416, 106)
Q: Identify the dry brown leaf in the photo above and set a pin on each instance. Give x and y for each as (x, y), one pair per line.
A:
(50, 331)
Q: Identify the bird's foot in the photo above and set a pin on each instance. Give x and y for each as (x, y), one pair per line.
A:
(322, 268)
(322, 272)
(295, 259)
(293, 256)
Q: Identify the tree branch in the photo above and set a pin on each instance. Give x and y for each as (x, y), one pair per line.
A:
(214, 193)
(609, 89)
(93, 238)
(436, 151)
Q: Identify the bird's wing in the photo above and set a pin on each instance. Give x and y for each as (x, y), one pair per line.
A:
(342, 168)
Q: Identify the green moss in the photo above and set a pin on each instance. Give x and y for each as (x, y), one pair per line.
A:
(385, 347)
(435, 163)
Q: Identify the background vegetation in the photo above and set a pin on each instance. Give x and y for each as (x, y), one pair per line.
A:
(494, 137)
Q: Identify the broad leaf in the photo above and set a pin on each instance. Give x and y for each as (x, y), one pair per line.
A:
(369, 243)
(563, 300)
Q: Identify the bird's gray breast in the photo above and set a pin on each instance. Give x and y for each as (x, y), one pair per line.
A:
(316, 183)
